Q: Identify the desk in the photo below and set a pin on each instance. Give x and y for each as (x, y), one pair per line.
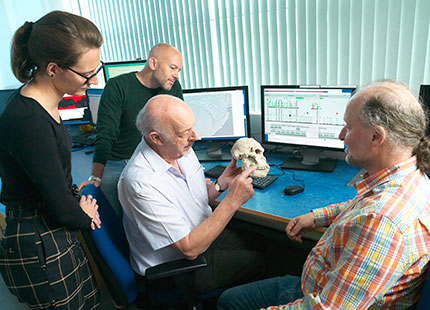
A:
(270, 207)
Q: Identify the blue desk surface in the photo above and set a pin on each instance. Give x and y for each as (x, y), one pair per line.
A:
(321, 189)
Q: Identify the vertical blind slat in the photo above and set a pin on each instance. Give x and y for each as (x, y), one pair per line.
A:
(221, 59)
(367, 37)
(344, 11)
(292, 39)
(322, 42)
(193, 46)
(208, 41)
(301, 41)
(248, 46)
(255, 28)
(405, 42)
(271, 59)
(333, 30)
(142, 23)
(202, 46)
(224, 40)
(282, 42)
(264, 48)
(311, 44)
(380, 40)
(232, 55)
(240, 44)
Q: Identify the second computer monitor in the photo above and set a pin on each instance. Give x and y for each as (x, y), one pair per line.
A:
(222, 114)
(309, 118)
(74, 110)
(113, 69)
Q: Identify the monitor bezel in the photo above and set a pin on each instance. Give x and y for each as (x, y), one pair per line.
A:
(226, 88)
(297, 145)
(116, 63)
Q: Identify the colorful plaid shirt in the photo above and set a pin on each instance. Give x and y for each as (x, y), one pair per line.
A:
(375, 252)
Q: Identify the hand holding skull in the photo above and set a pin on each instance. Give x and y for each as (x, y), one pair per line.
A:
(250, 152)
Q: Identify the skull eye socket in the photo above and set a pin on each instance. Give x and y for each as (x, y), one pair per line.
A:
(258, 152)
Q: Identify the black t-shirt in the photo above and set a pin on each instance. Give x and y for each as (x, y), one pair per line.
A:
(35, 161)
(123, 97)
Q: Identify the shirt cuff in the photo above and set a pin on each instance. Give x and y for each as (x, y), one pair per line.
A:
(321, 217)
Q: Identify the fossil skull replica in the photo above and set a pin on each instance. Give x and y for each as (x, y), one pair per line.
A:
(250, 152)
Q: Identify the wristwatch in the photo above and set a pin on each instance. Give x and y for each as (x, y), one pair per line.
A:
(218, 187)
(94, 178)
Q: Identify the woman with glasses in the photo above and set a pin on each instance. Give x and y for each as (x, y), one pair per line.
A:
(41, 260)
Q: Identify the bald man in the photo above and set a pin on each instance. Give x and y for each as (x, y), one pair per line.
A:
(165, 199)
(123, 97)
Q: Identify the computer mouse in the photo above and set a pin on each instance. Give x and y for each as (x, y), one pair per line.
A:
(293, 189)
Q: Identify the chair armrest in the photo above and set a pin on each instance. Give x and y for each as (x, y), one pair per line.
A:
(175, 267)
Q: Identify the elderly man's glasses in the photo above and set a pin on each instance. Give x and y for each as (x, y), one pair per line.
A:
(88, 78)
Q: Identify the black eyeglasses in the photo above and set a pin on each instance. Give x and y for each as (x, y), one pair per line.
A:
(88, 78)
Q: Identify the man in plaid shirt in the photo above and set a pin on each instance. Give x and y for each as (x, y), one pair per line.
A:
(374, 254)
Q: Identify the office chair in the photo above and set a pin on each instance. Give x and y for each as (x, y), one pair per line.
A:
(424, 301)
(109, 248)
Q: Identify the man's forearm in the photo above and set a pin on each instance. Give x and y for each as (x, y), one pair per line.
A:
(97, 170)
(202, 236)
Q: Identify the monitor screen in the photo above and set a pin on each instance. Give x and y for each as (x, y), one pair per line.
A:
(425, 99)
(222, 114)
(74, 110)
(94, 95)
(308, 117)
(113, 69)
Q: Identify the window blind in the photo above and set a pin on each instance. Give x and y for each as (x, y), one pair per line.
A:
(255, 42)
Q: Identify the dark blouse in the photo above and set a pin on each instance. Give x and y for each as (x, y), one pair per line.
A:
(35, 162)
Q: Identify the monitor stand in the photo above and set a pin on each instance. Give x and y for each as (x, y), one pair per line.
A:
(310, 161)
(214, 152)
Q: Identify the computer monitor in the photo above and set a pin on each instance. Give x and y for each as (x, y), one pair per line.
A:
(74, 110)
(94, 95)
(425, 99)
(222, 114)
(113, 69)
(309, 118)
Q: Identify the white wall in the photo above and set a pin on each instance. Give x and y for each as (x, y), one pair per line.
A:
(13, 14)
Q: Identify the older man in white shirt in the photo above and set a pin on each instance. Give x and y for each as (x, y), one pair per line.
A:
(166, 201)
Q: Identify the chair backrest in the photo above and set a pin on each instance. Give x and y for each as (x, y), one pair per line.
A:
(424, 301)
(110, 250)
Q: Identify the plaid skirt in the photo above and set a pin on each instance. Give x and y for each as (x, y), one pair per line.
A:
(44, 265)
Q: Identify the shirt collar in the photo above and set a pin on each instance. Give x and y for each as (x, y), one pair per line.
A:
(158, 164)
(369, 182)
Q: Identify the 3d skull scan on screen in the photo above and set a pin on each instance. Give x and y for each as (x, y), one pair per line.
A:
(250, 152)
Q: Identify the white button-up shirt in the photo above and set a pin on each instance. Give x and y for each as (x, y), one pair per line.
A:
(161, 206)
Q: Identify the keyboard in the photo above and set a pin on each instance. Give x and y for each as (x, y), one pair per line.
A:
(261, 183)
